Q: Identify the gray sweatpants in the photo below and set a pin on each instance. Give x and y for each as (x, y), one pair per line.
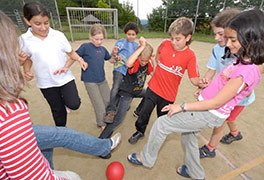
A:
(188, 124)
(99, 94)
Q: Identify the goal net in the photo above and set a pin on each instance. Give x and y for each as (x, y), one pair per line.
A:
(81, 19)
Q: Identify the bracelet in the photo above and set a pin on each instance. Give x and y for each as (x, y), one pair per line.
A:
(182, 106)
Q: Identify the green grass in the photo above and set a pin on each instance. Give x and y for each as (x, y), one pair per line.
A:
(196, 37)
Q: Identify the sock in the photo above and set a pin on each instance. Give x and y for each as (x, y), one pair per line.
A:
(234, 132)
(210, 147)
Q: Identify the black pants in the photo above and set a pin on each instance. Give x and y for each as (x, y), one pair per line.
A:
(59, 97)
(151, 99)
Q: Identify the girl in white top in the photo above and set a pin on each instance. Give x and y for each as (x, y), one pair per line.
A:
(46, 50)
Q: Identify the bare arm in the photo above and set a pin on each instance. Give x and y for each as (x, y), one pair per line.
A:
(74, 56)
(131, 60)
(225, 94)
(27, 64)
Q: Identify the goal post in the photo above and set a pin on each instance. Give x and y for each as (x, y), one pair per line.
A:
(81, 19)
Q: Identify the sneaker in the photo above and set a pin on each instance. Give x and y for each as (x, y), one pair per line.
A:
(116, 139)
(135, 137)
(205, 152)
(135, 114)
(67, 174)
(229, 138)
(109, 117)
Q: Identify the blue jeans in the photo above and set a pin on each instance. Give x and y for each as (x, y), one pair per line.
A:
(49, 137)
(123, 105)
(114, 98)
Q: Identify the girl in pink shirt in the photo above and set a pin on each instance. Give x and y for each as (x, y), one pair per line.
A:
(245, 35)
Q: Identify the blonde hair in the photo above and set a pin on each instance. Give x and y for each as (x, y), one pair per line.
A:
(181, 25)
(11, 77)
(97, 29)
(147, 51)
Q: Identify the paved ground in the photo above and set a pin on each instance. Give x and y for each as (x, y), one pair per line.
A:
(246, 155)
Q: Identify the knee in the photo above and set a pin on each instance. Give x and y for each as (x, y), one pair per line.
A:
(74, 105)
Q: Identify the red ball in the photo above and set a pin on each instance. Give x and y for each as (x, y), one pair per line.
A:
(115, 171)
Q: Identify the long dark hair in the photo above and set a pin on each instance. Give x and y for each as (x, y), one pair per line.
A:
(32, 9)
(249, 26)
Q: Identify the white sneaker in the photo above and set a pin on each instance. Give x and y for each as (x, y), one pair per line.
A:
(67, 174)
(116, 139)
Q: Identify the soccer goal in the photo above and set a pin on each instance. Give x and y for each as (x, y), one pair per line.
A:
(81, 19)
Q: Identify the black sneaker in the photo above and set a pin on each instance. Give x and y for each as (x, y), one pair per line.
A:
(108, 156)
(205, 152)
(229, 138)
(135, 137)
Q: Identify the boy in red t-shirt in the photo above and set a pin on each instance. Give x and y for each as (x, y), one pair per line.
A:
(172, 59)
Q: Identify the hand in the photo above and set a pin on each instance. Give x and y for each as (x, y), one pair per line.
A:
(172, 109)
(83, 64)
(28, 75)
(204, 82)
(61, 70)
(142, 41)
(22, 57)
(197, 93)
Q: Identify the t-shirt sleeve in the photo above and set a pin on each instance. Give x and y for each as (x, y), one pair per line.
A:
(65, 43)
(212, 61)
(247, 74)
(80, 50)
(107, 54)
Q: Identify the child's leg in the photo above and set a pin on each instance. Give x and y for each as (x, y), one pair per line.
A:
(97, 102)
(124, 103)
(105, 92)
(234, 134)
(117, 80)
(70, 95)
(54, 98)
(188, 122)
(209, 149)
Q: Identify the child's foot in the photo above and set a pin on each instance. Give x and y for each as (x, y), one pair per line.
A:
(205, 152)
(134, 159)
(135, 137)
(109, 117)
(116, 139)
(229, 138)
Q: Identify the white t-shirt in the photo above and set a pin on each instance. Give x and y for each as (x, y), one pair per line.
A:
(47, 56)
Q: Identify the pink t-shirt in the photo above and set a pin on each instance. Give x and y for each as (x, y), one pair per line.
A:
(251, 77)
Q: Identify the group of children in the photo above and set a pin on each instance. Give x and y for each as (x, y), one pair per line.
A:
(235, 59)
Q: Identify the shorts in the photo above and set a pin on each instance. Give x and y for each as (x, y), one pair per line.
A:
(234, 113)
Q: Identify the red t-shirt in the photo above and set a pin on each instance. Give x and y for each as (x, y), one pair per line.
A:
(170, 69)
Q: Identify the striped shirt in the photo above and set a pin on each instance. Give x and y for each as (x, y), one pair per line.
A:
(20, 157)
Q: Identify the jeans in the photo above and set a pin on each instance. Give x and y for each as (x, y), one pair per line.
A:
(58, 98)
(188, 124)
(114, 98)
(151, 99)
(123, 105)
(49, 137)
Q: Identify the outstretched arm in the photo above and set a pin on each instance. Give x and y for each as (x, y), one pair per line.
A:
(225, 94)
(131, 60)
(73, 55)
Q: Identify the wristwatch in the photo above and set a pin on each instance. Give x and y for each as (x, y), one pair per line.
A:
(183, 107)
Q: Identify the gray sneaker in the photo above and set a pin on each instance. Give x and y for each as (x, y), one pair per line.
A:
(109, 117)
(229, 138)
